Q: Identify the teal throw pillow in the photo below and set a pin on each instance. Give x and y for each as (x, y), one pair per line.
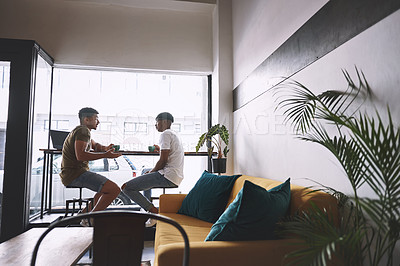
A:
(208, 198)
(253, 214)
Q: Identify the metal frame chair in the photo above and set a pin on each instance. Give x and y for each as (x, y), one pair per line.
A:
(118, 236)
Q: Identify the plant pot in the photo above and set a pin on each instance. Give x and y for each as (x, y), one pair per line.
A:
(219, 165)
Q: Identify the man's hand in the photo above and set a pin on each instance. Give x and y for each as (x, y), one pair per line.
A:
(83, 155)
(162, 161)
(110, 147)
(111, 154)
(156, 148)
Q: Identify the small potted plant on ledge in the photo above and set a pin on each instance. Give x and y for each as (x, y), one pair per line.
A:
(217, 136)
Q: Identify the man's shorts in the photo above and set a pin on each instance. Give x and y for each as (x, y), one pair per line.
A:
(90, 180)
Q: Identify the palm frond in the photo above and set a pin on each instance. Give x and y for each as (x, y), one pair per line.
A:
(322, 241)
(344, 149)
(368, 149)
(303, 106)
(300, 108)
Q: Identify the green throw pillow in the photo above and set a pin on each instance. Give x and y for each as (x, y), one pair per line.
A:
(253, 214)
(208, 198)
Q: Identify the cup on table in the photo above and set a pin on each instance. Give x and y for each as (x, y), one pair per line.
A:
(152, 148)
(116, 147)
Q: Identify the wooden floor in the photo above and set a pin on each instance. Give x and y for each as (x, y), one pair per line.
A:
(18, 250)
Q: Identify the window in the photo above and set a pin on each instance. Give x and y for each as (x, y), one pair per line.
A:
(40, 132)
(105, 126)
(113, 165)
(135, 127)
(57, 124)
(4, 75)
(128, 103)
(99, 165)
(4, 95)
(176, 127)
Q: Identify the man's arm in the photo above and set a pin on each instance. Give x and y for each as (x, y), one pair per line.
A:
(83, 155)
(98, 147)
(162, 161)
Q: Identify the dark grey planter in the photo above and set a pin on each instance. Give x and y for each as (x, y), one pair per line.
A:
(219, 165)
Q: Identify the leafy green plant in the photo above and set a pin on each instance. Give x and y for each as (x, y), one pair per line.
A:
(368, 149)
(216, 135)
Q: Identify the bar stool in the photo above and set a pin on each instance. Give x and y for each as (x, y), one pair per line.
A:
(79, 200)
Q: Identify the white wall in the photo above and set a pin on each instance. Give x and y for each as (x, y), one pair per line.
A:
(260, 27)
(262, 145)
(222, 79)
(85, 33)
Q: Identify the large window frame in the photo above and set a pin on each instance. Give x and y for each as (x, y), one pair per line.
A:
(23, 55)
(139, 126)
(18, 149)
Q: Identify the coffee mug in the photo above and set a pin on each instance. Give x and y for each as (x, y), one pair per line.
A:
(152, 148)
(116, 147)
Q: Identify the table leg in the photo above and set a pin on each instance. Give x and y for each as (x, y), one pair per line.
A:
(50, 177)
(44, 171)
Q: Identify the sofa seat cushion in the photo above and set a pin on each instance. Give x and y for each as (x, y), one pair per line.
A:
(187, 220)
(217, 253)
(196, 229)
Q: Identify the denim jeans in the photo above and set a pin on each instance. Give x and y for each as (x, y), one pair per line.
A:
(145, 182)
(90, 180)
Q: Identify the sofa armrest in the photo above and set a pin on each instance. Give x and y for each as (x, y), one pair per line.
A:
(217, 253)
(170, 203)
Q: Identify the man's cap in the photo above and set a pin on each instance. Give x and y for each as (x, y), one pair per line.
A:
(165, 116)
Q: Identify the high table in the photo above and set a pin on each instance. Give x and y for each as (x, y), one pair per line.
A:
(47, 177)
(62, 246)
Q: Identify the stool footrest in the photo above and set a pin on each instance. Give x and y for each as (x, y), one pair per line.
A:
(79, 201)
(151, 198)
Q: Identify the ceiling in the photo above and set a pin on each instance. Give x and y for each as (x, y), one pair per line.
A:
(178, 5)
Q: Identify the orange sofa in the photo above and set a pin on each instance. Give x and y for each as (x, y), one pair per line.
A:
(169, 246)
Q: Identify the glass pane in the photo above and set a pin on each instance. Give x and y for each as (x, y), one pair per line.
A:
(4, 91)
(128, 103)
(40, 131)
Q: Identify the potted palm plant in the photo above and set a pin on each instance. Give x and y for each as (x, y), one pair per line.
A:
(216, 137)
(367, 146)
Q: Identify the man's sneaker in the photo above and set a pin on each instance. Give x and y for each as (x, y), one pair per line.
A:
(146, 263)
(150, 222)
(85, 223)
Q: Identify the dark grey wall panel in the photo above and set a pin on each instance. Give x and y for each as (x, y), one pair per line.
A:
(334, 24)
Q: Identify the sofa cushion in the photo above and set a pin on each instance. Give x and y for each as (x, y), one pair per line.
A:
(207, 199)
(253, 214)
(260, 181)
